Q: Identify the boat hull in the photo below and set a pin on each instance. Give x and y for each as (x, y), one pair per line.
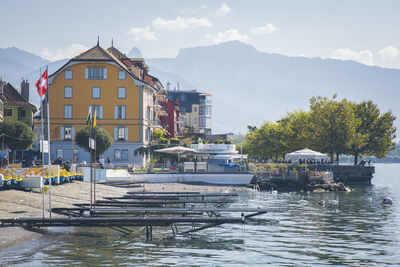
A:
(195, 178)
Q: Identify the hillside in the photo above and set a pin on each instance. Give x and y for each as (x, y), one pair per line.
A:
(250, 87)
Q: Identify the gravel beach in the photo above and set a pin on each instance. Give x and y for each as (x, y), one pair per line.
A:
(19, 204)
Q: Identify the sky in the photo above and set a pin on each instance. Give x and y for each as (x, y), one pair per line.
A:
(362, 30)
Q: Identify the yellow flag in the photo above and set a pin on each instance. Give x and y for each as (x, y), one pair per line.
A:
(94, 118)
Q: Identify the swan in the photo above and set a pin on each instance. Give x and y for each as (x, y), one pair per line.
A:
(334, 201)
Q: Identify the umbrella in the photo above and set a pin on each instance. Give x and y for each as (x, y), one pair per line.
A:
(175, 150)
(306, 154)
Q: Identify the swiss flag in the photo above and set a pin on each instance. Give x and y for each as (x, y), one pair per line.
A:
(42, 84)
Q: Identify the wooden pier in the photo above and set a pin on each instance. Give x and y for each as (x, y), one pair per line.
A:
(147, 209)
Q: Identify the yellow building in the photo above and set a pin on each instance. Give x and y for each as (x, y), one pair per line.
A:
(126, 105)
(14, 106)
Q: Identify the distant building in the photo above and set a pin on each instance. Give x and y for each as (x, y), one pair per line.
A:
(14, 105)
(195, 110)
(125, 96)
(171, 122)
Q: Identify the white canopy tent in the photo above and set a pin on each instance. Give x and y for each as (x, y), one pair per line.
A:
(306, 154)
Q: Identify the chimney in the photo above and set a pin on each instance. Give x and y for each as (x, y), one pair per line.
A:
(25, 89)
(1, 86)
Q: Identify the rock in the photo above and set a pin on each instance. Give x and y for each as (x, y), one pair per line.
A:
(388, 201)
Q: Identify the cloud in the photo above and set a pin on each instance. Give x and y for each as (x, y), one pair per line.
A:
(230, 35)
(223, 10)
(388, 52)
(68, 52)
(180, 24)
(363, 56)
(267, 29)
(142, 34)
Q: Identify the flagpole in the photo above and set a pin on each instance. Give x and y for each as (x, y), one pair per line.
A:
(48, 137)
(41, 142)
(91, 158)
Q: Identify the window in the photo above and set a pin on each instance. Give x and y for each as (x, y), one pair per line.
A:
(121, 133)
(60, 153)
(22, 113)
(183, 110)
(208, 110)
(183, 98)
(194, 109)
(68, 74)
(195, 121)
(68, 133)
(96, 73)
(121, 75)
(99, 111)
(120, 154)
(95, 92)
(8, 112)
(121, 92)
(119, 112)
(68, 92)
(67, 111)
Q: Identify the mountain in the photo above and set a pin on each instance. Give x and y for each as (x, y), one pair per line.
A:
(14, 63)
(135, 53)
(249, 87)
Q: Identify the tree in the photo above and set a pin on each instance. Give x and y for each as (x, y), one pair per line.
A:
(333, 125)
(374, 133)
(17, 135)
(297, 130)
(103, 139)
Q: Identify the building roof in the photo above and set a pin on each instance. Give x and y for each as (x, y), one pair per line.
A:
(94, 53)
(97, 53)
(11, 97)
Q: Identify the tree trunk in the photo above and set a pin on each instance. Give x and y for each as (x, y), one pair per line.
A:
(337, 158)
(332, 155)
(355, 158)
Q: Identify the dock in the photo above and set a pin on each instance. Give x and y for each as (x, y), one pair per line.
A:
(147, 209)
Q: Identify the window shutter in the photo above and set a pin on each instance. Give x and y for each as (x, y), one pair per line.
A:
(115, 112)
(115, 133)
(126, 134)
(86, 73)
(105, 73)
(62, 133)
(101, 112)
(123, 112)
(73, 133)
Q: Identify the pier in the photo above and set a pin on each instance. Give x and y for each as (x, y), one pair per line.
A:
(147, 209)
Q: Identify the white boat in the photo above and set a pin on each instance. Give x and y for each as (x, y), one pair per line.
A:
(219, 167)
(194, 178)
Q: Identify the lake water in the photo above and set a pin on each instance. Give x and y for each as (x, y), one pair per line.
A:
(360, 230)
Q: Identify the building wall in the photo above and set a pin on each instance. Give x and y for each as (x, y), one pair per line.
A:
(28, 119)
(82, 98)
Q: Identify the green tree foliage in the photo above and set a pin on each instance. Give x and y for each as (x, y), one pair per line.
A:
(330, 126)
(18, 135)
(333, 125)
(374, 131)
(103, 139)
(266, 142)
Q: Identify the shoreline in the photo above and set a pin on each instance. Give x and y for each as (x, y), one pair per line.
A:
(20, 204)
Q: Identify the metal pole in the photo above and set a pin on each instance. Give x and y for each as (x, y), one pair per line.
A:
(42, 145)
(91, 160)
(95, 161)
(48, 138)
